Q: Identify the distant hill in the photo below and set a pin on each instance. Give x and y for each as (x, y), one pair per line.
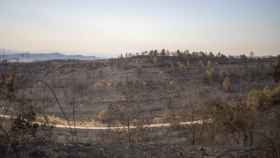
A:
(32, 57)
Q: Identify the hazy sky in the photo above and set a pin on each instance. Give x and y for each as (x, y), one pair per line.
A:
(110, 27)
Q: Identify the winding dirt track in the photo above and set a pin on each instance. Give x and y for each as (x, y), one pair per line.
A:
(156, 125)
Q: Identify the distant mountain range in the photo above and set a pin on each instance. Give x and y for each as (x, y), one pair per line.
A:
(32, 57)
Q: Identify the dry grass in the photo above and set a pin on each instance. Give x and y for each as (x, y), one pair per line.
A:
(54, 120)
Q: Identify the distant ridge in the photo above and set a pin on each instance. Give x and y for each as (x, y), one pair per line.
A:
(14, 56)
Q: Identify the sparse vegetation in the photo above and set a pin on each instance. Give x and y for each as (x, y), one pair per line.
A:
(134, 91)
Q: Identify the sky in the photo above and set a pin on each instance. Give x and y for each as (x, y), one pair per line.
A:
(112, 27)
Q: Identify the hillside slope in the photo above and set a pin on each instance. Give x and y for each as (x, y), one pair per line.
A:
(143, 86)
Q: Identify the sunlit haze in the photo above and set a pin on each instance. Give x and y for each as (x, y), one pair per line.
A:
(111, 27)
